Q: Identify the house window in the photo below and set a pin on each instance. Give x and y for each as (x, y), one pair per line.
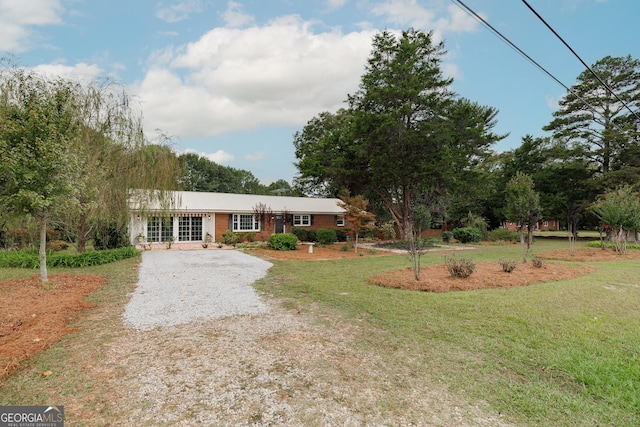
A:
(245, 222)
(190, 228)
(340, 221)
(159, 229)
(546, 223)
(302, 220)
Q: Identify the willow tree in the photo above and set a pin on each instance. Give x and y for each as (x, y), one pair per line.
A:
(37, 125)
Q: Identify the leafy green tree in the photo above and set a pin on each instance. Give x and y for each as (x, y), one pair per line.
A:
(593, 118)
(523, 208)
(356, 214)
(404, 135)
(37, 125)
(619, 210)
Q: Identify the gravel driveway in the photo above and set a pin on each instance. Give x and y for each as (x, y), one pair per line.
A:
(178, 287)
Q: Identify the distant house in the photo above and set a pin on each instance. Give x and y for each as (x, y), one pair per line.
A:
(186, 216)
(546, 225)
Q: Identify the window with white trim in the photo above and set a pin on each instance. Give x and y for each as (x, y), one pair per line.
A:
(302, 220)
(190, 228)
(340, 221)
(159, 229)
(245, 222)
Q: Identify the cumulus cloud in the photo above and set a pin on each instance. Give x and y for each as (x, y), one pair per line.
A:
(242, 79)
(235, 17)
(17, 19)
(220, 157)
(82, 71)
(178, 11)
(335, 4)
(255, 157)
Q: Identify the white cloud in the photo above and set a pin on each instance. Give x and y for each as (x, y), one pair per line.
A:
(243, 79)
(178, 11)
(18, 17)
(82, 71)
(255, 157)
(336, 4)
(234, 17)
(220, 157)
(553, 102)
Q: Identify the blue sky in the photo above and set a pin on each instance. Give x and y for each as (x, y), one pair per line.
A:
(234, 80)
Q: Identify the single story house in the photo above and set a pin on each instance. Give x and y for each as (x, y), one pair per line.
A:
(187, 216)
(546, 225)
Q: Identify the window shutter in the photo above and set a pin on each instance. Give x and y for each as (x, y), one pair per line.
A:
(311, 219)
(231, 222)
(335, 220)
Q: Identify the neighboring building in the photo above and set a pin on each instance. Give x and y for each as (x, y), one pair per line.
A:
(186, 216)
(546, 225)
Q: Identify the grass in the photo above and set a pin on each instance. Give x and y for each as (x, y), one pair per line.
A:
(555, 354)
(66, 359)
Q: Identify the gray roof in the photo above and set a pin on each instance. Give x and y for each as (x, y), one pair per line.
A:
(190, 201)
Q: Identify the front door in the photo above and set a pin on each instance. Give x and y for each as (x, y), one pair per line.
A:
(279, 224)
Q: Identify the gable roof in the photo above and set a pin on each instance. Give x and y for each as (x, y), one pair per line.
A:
(195, 202)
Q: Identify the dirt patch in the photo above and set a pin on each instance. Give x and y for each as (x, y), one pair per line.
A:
(33, 316)
(590, 255)
(320, 253)
(436, 278)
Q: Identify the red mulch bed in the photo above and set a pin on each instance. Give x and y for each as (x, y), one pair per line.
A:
(33, 316)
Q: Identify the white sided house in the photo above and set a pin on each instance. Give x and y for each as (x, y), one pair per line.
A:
(187, 216)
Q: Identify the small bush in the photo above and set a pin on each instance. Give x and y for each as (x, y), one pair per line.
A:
(229, 238)
(508, 265)
(447, 236)
(459, 267)
(467, 234)
(312, 236)
(57, 245)
(503, 235)
(388, 231)
(301, 233)
(327, 236)
(344, 248)
(537, 262)
(342, 235)
(283, 241)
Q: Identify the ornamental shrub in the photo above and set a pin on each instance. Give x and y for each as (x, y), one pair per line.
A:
(503, 235)
(467, 234)
(283, 241)
(459, 267)
(229, 238)
(508, 265)
(301, 233)
(327, 236)
(342, 235)
(447, 236)
(537, 262)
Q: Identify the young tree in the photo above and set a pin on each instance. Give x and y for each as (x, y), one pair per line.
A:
(523, 208)
(619, 210)
(37, 125)
(356, 214)
(594, 119)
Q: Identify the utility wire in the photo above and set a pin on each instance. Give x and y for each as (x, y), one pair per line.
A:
(580, 59)
(462, 5)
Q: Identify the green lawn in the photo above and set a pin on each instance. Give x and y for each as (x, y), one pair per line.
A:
(554, 354)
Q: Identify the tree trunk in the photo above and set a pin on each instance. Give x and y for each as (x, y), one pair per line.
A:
(355, 247)
(43, 251)
(82, 238)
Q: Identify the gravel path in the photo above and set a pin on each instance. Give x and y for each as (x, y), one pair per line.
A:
(178, 287)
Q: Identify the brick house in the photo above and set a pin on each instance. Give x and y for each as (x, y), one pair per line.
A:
(546, 225)
(187, 216)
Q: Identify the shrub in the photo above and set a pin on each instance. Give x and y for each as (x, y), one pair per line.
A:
(327, 236)
(467, 234)
(57, 245)
(388, 231)
(447, 236)
(344, 248)
(459, 267)
(537, 262)
(301, 233)
(508, 265)
(503, 235)
(30, 258)
(312, 236)
(229, 238)
(342, 235)
(283, 241)
(111, 236)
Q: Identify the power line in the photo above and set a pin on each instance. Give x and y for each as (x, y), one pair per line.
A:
(470, 11)
(580, 59)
